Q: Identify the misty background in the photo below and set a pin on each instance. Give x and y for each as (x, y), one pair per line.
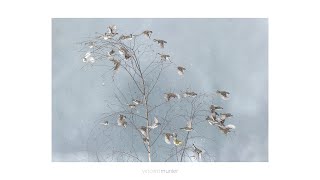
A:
(227, 54)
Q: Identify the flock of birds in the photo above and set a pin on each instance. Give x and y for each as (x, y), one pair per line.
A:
(123, 51)
(214, 119)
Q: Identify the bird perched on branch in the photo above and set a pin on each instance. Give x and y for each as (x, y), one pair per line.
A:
(224, 94)
(189, 94)
(126, 37)
(181, 70)
(131, 106)
(167, 137)
(188, 128)
(110, 53)
(136, 101)
(122, 120)
(155, 123)
(145, 140)
(161, 42)
(226, 129)
(123, 51)
(169, 96)
(225, 115)
(175, 140)
(147, 33)
(164, 57)
(88, 58)
(197, 152)
(143, 131)
(212, 119)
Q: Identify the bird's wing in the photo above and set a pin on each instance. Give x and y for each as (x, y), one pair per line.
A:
(189, 124)
(156, 120)
(119, 121)
(230, 126)
(167, 138)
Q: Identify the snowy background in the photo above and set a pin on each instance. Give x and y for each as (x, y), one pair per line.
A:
(229, 54)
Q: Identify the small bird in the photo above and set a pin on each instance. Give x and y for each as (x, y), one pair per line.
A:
(143, 131)
(175, 140)
(126, 37)
(136, 101)
(212, 119)
(161, 42)
(197, 152)
(116, 64)
(155, 123)
(105, 123)
(122, 120)
(132, 106)
(213, 108)
(226, 129)
(110, 53)
(224, 116)
(145, 140)
(181, 70)
(147, 33)
(224, 94)
(112, 29)
(164, 57)
(88, 58)
(123, 51)
(188, 128)
(167, 137)
(189, 94)
(169, 96)
(107, 36)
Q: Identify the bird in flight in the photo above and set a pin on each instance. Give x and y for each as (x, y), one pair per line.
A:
(122, 121)
(224, 94)
(112, 29)
(226, 129)
(164, 57)
(88, 58)
(181, 70)
(161, 42)
(155, 123)
(188, 128)
(189, 94)
(167, 137)
(147, 33)
(105, 123)
(169, 96)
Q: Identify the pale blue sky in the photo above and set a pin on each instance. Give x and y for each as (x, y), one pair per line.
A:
(229, 54)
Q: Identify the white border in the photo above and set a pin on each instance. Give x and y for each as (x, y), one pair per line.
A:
(26, 88)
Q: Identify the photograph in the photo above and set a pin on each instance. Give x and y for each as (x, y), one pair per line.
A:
(159, 90)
